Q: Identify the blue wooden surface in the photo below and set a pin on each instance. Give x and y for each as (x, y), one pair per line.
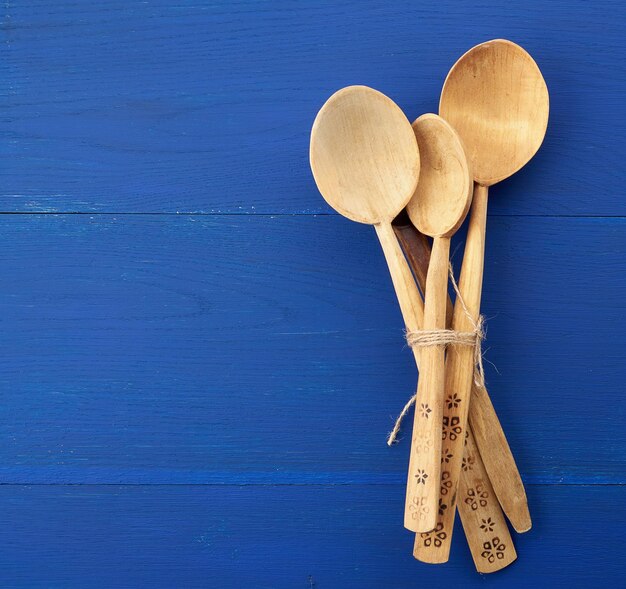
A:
(286, 536)
(201, 399)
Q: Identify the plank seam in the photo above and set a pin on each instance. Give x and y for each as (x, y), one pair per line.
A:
(109, 484)
(280, 214)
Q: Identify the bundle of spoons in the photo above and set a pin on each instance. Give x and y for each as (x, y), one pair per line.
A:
(372, 166)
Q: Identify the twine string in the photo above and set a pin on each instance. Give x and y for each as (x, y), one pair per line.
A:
(425, 338)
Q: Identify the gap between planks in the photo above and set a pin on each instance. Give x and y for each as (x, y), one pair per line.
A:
(108, 484)
(277, 214)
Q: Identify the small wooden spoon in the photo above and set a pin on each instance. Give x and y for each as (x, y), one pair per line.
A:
(497, 100)
(437, 209)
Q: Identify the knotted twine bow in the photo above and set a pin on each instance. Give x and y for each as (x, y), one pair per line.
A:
(425, 338)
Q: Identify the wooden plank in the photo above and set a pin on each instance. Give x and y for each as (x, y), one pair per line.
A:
(161, 106)
(204, 536)
(241, 349)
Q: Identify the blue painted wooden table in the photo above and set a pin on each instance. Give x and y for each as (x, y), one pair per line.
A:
(200, 361)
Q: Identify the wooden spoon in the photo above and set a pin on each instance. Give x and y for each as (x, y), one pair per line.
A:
(438, 208)
(366, 164)
(497, 100)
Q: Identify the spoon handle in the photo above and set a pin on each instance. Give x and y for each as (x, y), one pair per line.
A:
(483, 521)
(424, 475)
(488, 434)
(498, 458)
(460, 369)
(408, 295)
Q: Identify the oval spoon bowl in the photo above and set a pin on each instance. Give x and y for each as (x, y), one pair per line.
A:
(500, 137)
(364, 155)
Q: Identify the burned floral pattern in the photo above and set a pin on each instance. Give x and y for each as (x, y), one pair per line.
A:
(442, 507)
(446, 482)
(453, 401)
(493, 550)
(422, 443)
(425, 410)
(436, 537)
(418, 508)
(451, 428)
(487, 525)
(476, 497)
(421, 476)
(468, 462)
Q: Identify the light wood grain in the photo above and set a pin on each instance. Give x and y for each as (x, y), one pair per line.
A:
(444, 190)
(123, 348)
(418, 510)
(497, 100)
(424, 472)
(473, 475)
(365, 159)
(438, 208)
(409, 300)
(488, 434)
(364, 155)
(498, 459)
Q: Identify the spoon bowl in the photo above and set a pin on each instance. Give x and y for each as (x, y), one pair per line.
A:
(444, 190)
(364, 155)
(497, 100)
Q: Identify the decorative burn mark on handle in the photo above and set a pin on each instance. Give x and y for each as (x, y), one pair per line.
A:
(487, 525)
(476, 497)
(453, 401)
(446, 482)
(493, 550)
(421, 476)
(451, 428)
(468, 462)
(422, 443)
(425, 410)
(418, 508)
(435, 537)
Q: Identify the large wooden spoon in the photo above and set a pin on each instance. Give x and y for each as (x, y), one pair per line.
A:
(366, 164)
(497, 100)
(438, 208)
